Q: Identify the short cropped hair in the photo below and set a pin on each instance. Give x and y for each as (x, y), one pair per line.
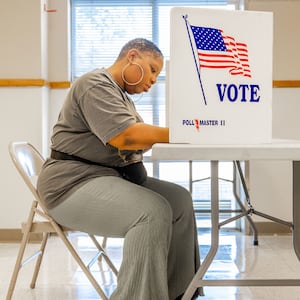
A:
(142, 45)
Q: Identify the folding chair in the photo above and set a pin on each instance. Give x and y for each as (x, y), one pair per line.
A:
(28, 161)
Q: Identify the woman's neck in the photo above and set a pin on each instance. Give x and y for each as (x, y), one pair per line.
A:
(115, 71)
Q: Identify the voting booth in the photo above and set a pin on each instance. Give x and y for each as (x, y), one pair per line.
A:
(220, 76)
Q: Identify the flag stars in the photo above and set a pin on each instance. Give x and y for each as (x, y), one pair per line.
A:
(208, 39)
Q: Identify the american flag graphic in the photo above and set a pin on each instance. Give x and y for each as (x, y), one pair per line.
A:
(217, 50)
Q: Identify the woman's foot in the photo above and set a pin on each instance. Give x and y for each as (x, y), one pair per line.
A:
(193, 298)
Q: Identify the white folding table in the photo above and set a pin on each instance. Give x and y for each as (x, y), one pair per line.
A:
(276, 150)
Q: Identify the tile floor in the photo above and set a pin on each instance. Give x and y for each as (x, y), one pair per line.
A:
(61, 279)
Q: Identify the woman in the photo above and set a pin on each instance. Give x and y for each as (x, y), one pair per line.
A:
(95, 180)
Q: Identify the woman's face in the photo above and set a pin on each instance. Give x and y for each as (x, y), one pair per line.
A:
(143, 70)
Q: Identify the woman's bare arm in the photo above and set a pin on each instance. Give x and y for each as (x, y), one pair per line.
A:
(140, 136)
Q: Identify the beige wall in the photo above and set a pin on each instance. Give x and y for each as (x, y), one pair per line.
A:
(36, 45)
(286, 14)
(21, 39)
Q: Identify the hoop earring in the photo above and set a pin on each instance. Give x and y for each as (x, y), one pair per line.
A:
(132, 83)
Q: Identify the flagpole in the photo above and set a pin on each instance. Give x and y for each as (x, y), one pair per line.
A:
(195, 60)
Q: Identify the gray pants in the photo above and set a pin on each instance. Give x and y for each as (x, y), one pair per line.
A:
(160, 253)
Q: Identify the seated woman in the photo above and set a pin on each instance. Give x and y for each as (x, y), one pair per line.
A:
(95, 180)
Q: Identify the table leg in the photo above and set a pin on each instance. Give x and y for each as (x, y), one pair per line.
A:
(214, 232)
(296, 207)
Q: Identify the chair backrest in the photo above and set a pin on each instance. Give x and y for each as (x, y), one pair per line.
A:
(28, 161)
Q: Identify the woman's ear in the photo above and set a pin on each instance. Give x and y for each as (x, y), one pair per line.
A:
(132, 55)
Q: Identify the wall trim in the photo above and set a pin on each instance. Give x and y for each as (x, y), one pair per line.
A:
(14, 235)
(67, 84)
(11, 235)
(269, 228)
(286, 83)
(21, 82)
(59, 84)
(34, 82)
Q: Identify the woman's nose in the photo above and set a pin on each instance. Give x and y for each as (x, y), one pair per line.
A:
(153, 79)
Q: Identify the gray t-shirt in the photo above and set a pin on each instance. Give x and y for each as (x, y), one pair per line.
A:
(96, 110)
